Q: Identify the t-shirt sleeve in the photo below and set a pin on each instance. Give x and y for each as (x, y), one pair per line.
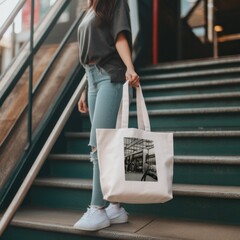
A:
(121, 21)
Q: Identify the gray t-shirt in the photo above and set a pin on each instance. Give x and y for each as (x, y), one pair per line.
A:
(97, 41)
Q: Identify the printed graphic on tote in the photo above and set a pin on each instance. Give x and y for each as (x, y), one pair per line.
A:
(140, 162)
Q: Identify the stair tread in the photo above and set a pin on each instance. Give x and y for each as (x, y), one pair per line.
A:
(190, 84)
(224, 133)
(64, 183)
(71, 157)
(177, 159)
(191, 63)
(139, 227)
(178, 189)
(207, 159)
(188, 111)
(192, 73)
(207, 110)
(193, 97)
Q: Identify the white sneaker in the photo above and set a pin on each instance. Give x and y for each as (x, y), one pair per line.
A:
(116, 214)
(94, 219)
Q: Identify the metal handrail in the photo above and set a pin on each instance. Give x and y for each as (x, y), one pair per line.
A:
(11, 17)
(57, 10)
(30, 84)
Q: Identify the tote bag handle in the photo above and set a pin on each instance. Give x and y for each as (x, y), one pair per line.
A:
(142, 114)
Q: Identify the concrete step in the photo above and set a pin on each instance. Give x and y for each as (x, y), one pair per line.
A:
(197, 75)
(209, 100)
(211, 170)
(196, 143)
(52, 224)
(201, 118)
(229, 192)
(190, 201)
(189, 65)
(224, 160)
(191, 87)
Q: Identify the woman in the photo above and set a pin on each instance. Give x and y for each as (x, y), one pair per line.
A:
(105, 51)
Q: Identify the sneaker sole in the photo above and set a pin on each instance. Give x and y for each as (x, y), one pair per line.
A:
(118, 220)
(92, 229)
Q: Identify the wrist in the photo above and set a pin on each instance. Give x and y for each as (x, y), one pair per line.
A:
(130, 67)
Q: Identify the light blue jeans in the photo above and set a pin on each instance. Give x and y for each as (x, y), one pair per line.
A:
(104, 99)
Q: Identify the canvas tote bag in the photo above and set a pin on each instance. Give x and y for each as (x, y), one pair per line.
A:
(136, 165)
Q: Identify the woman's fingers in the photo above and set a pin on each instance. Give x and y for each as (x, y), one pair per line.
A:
(132, 77)
(82, 106)
(134, 81)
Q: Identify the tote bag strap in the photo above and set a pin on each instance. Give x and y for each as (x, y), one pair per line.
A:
(142, 113)
(123, 113)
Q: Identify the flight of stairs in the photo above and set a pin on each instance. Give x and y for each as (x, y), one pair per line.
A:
(200, 102)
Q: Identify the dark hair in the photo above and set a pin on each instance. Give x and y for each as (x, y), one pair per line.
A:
(103, 9)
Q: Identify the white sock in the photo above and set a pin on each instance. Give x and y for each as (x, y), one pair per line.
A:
(117, 205)
(98, 207)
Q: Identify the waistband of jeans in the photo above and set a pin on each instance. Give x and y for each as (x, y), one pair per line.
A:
(90, 65)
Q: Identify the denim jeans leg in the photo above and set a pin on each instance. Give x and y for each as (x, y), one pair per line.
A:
(97, 196)
(104, 98)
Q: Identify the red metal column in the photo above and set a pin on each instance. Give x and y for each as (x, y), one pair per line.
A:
(155, 31)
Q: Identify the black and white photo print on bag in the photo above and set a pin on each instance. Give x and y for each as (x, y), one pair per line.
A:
(140, 162)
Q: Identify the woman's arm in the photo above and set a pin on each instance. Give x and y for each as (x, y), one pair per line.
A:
(125, 54)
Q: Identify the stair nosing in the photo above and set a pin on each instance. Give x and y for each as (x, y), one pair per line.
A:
(70, 157)
(186, 111)
(225, 133)
(207, 134)
(210, 191)
(107, 234)
(191, 74)
(179, 159)
(85, 184)
(189, 84)
(27, 219)
(192, 97)
(218, 160)
(192, 63)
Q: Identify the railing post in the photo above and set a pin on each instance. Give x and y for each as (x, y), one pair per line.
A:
(30, 75)
(155, 31)
(210, 17)
(179, 31)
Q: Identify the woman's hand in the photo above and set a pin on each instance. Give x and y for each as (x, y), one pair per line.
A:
(82, 103)
(132, 77)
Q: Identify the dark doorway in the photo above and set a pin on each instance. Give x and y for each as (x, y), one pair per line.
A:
(195, 29)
